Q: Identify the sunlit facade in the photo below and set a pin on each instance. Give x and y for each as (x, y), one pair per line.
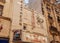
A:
(51, 12)
(29, 21)
(22, 22)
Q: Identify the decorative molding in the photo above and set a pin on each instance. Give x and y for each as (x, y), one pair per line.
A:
(6, 18)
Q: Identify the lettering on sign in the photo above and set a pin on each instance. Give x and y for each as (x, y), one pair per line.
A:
(35, 38)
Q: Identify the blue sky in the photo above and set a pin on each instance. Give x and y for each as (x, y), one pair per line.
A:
(26, 1)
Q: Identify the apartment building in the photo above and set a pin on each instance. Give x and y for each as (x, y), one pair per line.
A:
(5, 22)
(30, 23)
(22, 22)
(49, 9)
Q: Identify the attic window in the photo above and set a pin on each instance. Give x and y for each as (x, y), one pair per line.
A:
(53, 29)
(42, 11)
(57, 11)
(16, 35)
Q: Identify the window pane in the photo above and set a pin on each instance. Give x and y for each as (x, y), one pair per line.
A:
(3, 1)
(1, 10)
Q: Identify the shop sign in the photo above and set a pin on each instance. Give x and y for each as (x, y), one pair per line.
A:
(35, 38)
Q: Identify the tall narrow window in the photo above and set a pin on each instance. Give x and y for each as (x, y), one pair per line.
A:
(1, 10)
(58, 19)
(50, 19)
(57, 11)
(3, 1)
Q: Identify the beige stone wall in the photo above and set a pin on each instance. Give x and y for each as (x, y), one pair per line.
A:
(12, 10)
(27, 19)
(53, 15)
(6, 9)
(5, 28)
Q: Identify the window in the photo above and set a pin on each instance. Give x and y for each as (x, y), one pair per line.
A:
(1, 28)
(1, 10)
(48, 9)
(50, 19)
(58, 19)
(24, 27)
(3, 1)
(57, 11)
(42, 11)
(53, 30)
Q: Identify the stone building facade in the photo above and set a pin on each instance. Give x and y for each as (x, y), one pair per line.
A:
(51, 12)
(22, 23)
